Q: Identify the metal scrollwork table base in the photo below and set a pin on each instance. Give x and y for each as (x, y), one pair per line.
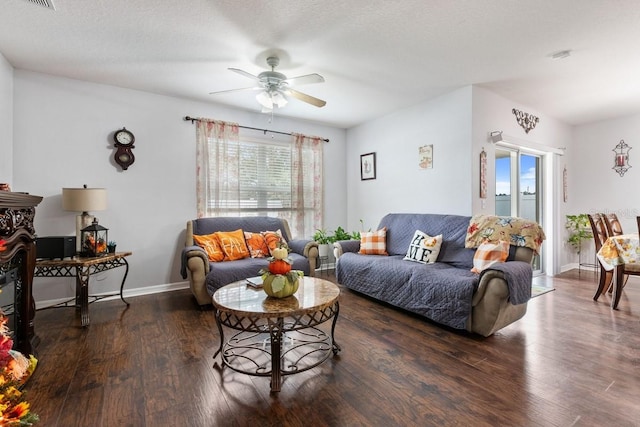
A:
(82, 269)
(276, 336)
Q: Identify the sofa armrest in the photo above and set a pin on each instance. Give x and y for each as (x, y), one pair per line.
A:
(195, 252)
(308, 249)
(302, 246)
(514, 277)
(343, 246)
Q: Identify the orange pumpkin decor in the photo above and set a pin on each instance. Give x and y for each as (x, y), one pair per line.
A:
(279, 266)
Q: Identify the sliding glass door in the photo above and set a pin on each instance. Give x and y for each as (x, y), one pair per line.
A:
(519, 187)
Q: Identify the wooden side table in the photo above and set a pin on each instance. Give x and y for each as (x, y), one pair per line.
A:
(82, 269)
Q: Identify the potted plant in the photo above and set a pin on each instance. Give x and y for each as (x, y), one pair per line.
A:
(341, 234)
(579, 229)
(111, 246)
(323, 239)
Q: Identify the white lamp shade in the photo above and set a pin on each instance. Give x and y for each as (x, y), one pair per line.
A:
(265, 100)
(278, 99)
(84, 199)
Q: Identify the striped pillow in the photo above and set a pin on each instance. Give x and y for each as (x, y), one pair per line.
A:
(374, 242)
(488, 254)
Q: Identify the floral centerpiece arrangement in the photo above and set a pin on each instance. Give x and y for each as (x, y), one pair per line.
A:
(15, 370)
(279, 280)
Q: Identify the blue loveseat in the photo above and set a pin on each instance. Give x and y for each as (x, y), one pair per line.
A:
(446, 291)
(206, 277)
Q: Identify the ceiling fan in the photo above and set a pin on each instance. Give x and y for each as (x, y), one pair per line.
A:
(275, 87)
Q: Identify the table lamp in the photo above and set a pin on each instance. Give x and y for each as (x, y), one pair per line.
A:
(83, 200)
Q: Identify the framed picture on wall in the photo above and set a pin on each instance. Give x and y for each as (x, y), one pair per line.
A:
(367, 166)
(425, 157)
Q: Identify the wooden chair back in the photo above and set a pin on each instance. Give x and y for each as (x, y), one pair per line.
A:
(613, 225)
(598, 229)
(638, 220)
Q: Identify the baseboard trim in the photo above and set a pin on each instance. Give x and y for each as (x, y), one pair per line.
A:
(576, 266)
(136, 292)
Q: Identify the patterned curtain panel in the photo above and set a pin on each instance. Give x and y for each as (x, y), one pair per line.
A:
(306, 185)
(217, 168)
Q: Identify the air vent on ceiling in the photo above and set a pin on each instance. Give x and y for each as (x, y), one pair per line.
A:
(46, 3)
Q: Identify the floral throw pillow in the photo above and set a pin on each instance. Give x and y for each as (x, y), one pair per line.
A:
(424, 248)
(257, 245)
(274, 240)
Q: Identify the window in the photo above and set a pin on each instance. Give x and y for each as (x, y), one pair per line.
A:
(264, 179)
(518, 187)
(255, 176)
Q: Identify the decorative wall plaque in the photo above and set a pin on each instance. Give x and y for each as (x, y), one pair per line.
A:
(621, 158)
(526, 120)
(483, 174)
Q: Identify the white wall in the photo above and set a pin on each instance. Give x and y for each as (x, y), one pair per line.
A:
(400, 185)
(594, 185)
(6, 121)
(63, 138)
(492, 112)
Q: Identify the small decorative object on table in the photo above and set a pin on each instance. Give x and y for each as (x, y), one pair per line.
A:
(280, 281)
(94, 240)
(111, 246)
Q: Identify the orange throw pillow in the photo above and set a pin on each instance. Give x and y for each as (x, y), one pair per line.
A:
(274, 240)
(488, 254)
(374, 242)
(257, 245)
(233, 244)
(211, 246)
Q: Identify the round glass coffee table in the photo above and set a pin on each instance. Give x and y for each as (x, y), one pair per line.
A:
(276, 336)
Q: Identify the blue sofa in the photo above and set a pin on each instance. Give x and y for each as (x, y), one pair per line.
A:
(206, 277)
(446, 291)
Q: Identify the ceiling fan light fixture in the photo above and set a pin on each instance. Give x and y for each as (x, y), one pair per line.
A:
(270, 98)
(279, 99)
(264, 98)
(275, 88)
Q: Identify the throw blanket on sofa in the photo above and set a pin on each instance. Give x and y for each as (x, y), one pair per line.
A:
(516, 231)
(429, 290)
(519, 279)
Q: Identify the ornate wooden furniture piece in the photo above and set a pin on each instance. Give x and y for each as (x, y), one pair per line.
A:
(17, 212)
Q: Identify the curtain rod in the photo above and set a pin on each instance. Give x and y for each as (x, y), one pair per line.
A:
(193, 119)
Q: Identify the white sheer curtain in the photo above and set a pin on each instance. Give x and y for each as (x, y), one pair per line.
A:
(218, 167)
(306, 185)
(219, 173)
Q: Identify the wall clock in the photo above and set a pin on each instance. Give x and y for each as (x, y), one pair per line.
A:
(124, 140)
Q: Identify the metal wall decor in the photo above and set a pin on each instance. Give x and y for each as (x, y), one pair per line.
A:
(483, 174)
(526, 120)
(621, 158)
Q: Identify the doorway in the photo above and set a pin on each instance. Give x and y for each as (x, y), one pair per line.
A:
(519, 188)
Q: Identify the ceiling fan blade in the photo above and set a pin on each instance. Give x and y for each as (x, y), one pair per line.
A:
(236, 90)
(244, 73)
(306, 98)
(305, 80)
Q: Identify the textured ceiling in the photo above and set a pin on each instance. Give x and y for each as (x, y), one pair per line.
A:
(376, 56)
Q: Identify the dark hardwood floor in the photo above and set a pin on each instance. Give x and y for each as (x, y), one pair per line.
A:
(569, 362)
